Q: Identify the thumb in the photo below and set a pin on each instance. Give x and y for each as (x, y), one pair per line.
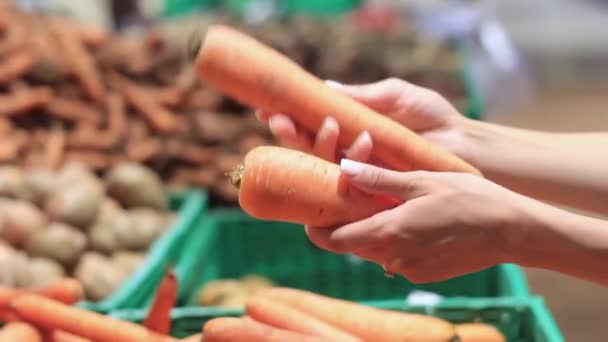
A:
(380, 181)
(380, 96)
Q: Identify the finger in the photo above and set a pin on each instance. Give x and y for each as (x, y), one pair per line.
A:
(376, 180)
(380, 96)
(361, 149)
(351, 237)
(285, 130)
(327, 140)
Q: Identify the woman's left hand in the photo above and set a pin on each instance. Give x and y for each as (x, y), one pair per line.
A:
(449, 224)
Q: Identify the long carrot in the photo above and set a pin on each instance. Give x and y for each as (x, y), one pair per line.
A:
(284, 317)
(73, 110)
(479, 332)
(158, 318)
(68, 291)
(21, 332)
(257, 75)
(51, 314)
(367, 323)
(232, 329)
(15, 65)
(24, 100)
(280, 184)
(152, 111)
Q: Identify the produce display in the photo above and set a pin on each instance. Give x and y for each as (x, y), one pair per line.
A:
(71, 222)
(72, 92)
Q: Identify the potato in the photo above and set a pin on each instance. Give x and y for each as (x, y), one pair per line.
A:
(255, 283)
(146, 225)
(40, 272)
(103, 235)
(107, 210)
(12, 182)
(60, 242)
(99, 276)
(217, 291)
(11, 268)
(134, 185)
(129, 261)
(73, 172)
(20, 220)
(77, 204)
(39, 183)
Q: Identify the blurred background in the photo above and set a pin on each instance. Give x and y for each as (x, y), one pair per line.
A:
(540, 64)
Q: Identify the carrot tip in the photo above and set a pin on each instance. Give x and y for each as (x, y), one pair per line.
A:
(236, 175)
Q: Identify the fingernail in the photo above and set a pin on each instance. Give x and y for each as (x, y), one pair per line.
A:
(366, 137)
(350, 167)
(330, 122)
(334, 84)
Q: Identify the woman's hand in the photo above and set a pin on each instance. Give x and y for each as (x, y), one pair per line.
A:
(420, 109)
(450, 224)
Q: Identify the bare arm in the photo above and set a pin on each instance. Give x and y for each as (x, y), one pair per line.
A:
(565, 168)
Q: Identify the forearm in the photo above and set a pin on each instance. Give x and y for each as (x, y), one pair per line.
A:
(564, 242)
(569, 169)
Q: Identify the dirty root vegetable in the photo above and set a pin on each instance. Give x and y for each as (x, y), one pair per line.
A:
(479, 332)
(77, 204)
(12, 268)
(367, 323)
(134, 185)
(20, 221)
(145, 226)
(99, 276)
(70, 240)
(232, 329)
(280, 184)
(38, 183)
(274, 83)
(129, 261)
(20, 331)
(104, 234)
(11, 181)
(40, 272)
(51, 314)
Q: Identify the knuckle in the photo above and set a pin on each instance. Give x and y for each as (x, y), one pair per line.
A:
(376, 177)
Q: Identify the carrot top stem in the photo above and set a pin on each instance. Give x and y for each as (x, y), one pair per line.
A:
(236, 175)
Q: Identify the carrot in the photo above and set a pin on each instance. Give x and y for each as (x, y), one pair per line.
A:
(9, 149)
(232, 329)
(117, 116)
(22, 101)
(190, 152)
(54, 147)
(284, 317)
(7, 316)
(68, 291)
(158, 318)
(62, 336)
(367, 323)
(143, 150)
(479, 332)
(259, 76)
(280, 184)
(81, 62)
(15, 65)
(73, 110)
(92, 138)
(19, 331)
(151, 110)
(51, 314)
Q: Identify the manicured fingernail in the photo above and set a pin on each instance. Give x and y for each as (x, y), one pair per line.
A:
(365, 137)
(350, 167)
(334, 84)
(330, 122)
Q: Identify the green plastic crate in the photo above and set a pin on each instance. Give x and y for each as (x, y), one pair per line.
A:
(140, 286)
(232, 244)
(519, 319)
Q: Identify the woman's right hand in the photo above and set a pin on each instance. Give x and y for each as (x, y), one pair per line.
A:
(420, 109)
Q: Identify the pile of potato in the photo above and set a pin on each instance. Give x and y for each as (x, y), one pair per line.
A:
(72, 222)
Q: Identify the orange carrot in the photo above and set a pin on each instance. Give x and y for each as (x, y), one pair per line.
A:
(367, 323)
(7, 316)
(143, 150)
(284, 317)
(117, 117)
(479, 332)
(259, 76)
(21, 332)
(24, 100)
(82, 63)
(158, 318)
(280, 184)
(51, 314)
(232, 329)
(15, 65)
(54, 148)
(73, 110)
(150, 108)
(62, 336)
(68, 291)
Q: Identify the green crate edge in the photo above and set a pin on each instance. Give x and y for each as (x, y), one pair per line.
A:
(543, 321)
(140, 287)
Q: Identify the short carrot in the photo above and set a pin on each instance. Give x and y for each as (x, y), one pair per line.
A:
(159, 315)
(232, 329)
(51, 314)
(281, 184)
(73, 110)
(68, 291)
(479, 332)
(284, 317)
(54, 148)
(22, 101)
(367, 323)
(259, 76)
(160, 118)
(20, 331)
